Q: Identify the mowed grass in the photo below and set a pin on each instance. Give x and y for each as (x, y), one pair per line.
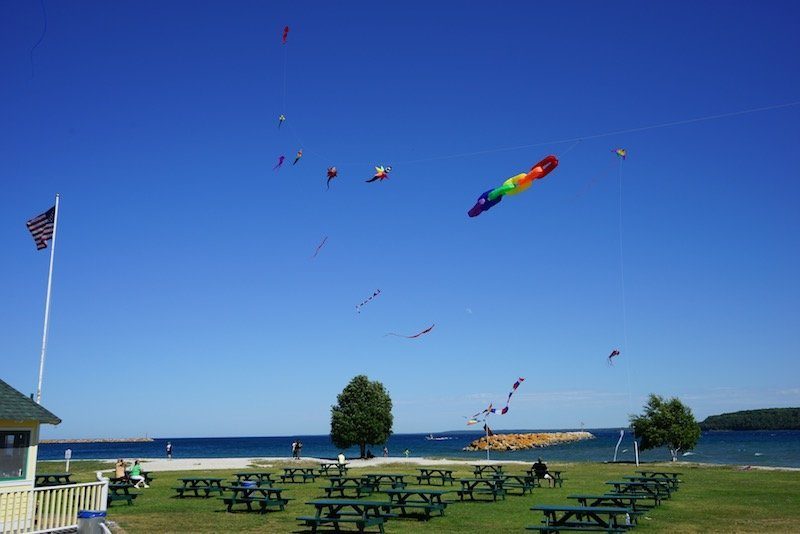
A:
(711, 499)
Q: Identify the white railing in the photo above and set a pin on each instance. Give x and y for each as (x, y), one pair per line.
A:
(49, 508)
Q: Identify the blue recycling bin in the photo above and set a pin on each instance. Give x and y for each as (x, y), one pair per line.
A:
(90, 521)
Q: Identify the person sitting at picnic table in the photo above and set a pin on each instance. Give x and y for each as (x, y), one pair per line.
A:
(119, 469)
(340, 458)
(136, 475)
(540, 470)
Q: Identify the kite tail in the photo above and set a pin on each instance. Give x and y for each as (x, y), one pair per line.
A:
(41, 37)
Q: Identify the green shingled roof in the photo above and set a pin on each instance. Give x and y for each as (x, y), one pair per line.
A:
(15, 406)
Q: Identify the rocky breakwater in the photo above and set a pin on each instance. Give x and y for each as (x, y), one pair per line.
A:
(519, 442)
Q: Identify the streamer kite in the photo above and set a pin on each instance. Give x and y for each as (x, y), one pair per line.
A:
(285, 34)
(614, 353)
(366, 301)
(381, 173)
(322, 244)
(513, 389)
(514, 185)
(280, 162)
(281, 119)
(332, 173)
(415, 335)
(298, 156)
(621, 152)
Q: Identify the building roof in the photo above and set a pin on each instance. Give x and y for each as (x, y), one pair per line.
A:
(15, 406)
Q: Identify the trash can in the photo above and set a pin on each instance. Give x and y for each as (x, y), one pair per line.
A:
(89, 521)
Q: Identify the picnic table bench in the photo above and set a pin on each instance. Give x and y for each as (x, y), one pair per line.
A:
(53, 479)
(524, 483)
(263, 496)
(471, 487)
(303, 473)
(661, 474)
(648, 488)
(427, 475)
(634, 502)
(361, 513)
(582, 518)
(206, 485)
(378, 479)
(343, 486)
(426, 500)
(668, 483)
(557, 479)
(487, 469)
(120, 491)
(259, 477)
(325, 469)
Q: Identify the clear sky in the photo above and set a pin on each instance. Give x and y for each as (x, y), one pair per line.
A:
(185, 301)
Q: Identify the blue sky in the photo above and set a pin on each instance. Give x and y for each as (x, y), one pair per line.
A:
(186, 304)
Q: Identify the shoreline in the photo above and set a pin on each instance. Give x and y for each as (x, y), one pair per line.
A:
(197, 464)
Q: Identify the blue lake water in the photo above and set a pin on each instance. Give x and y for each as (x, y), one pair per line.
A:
(771, 448)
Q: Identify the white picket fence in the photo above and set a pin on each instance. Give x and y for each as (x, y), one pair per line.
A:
(50, 508)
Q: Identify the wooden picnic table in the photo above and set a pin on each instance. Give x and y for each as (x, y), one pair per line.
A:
(53, 479)
(343, 486)
(608, 519)
(207, 485)
(614, 500)
(661, 474)
(428, 500)
(558, 480)
(326, 467)
(668, 483)
(481, 469)
(524, 483)
(648, 488)
(120, 491)
(426, 475)
(263, 496)
(260, 477)
(481, 486)
(304, 473)
(362, 513)
(378, 479)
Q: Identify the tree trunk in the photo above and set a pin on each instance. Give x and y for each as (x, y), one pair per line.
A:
(363, 446)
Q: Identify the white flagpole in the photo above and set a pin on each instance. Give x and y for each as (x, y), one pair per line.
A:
(47, 305)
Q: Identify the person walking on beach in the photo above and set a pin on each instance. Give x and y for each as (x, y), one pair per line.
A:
(169, 450)
(294, 449)
(385, 452)
(406, 452)
(299, 448)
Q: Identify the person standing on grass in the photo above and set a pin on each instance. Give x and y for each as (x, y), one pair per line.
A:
(169, 450)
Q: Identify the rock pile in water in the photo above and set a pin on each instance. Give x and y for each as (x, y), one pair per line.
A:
(518, 442)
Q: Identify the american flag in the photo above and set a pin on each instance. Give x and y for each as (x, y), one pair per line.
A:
(41, 227)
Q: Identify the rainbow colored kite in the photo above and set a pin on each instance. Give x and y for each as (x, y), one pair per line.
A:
(512, 186)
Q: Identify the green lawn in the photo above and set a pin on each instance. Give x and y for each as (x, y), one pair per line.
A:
(718, 499)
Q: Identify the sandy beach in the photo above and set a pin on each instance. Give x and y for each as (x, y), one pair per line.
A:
(201, 464)
(192, 464)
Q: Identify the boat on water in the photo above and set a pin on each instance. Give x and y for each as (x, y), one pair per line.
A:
(431, 437)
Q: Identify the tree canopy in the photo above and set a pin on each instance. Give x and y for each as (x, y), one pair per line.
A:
(668, 424)
(362, 415)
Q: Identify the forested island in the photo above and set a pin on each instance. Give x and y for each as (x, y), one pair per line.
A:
(765, 419)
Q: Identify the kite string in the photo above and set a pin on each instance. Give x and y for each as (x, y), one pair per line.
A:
(41, 37)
